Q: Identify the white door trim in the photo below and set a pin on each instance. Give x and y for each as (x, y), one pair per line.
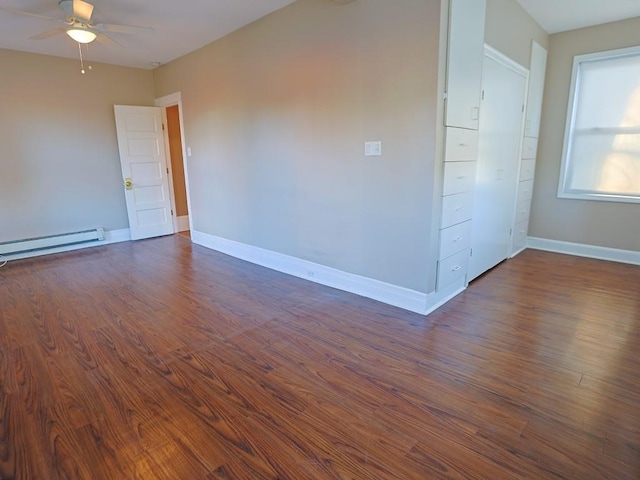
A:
(172, 192)
(169, 101)
(500, 57)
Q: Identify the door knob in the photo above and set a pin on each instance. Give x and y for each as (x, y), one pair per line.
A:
(128, 183)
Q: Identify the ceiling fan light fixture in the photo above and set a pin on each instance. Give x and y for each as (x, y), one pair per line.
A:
(81, 35)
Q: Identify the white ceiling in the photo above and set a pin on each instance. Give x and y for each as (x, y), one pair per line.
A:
(561, 15)
(182, 26)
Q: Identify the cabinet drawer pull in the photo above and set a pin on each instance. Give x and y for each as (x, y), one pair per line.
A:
(460, 177)
(462, 145)
(456, 268)
(459, 209)
(456, 240)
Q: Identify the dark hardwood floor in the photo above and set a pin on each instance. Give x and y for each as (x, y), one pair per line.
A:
(162, 360)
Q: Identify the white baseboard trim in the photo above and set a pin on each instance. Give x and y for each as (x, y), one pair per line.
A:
(110, 236)
(401, 297)
(182, 223)
(437, 299)
(581, 250)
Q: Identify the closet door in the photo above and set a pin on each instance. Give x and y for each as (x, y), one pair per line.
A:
(500, 136)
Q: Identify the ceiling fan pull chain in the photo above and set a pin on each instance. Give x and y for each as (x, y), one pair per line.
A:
(89, 67)
(86, 52)
(82, 71)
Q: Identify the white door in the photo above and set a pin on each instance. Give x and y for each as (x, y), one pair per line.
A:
(500, 136)
(144, 170)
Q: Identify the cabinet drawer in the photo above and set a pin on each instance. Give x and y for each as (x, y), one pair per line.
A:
(529, 147)
(522, 211)
(454, 239)
(525, 191)
(459, 177)
(520, 236)
(527, 169)
(461, 145)
(452, 269)
(456, 209)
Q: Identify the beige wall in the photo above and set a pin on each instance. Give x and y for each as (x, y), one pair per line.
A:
(60, 169)
(276, 115)
(510, 30)
(606, 224)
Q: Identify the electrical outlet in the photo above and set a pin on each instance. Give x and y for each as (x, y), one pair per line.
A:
(372, 149)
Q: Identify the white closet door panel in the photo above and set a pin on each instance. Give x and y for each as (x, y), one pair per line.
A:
(501, 128)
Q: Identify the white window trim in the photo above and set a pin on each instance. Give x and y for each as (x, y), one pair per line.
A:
(563, 190)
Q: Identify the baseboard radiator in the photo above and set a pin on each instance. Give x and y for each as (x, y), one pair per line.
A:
(50, 241)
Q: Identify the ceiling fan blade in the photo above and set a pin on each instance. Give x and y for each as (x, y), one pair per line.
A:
(50, 33)
(108, 27)
(105, 39)
(82, 10)
(29, 14)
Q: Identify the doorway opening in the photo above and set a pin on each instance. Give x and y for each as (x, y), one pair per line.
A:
(181, 212)
(176, 162)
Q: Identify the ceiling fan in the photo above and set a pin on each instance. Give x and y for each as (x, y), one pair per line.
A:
(79, 24)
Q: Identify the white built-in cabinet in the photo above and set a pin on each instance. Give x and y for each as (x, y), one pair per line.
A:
(537, 71)
(462, 110)
(464, 63)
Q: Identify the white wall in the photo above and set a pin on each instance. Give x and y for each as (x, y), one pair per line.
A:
(510, 30)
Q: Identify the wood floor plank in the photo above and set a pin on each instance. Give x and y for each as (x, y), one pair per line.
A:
(163, 359)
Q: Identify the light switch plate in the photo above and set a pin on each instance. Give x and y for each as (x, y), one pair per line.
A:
(372, 149)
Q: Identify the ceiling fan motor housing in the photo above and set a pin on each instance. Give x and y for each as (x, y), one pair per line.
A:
(76, 11)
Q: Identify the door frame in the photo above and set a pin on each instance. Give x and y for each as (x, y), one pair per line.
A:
(169, 101)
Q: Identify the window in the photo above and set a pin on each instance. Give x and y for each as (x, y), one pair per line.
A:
(601, 157)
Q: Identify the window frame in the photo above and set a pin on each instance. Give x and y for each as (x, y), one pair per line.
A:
(563, 185)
